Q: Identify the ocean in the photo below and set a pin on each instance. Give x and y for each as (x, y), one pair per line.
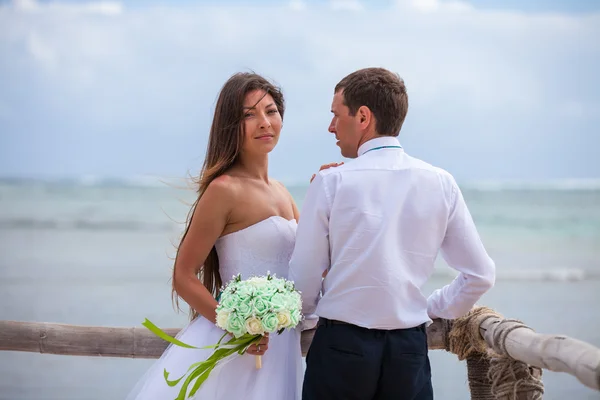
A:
(99, 252)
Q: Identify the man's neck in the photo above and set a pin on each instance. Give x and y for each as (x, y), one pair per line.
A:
(380, 141)
(368, 137)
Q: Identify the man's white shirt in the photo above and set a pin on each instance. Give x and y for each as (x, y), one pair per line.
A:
(377, 224)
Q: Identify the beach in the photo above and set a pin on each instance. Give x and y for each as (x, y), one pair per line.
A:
(100, 253)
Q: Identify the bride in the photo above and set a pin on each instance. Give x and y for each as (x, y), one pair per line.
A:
(242, 222)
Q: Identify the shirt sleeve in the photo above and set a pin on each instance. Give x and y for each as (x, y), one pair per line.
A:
(311, 252)
(463, 250)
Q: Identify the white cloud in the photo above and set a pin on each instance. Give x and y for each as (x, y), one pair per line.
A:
(425, 5)
(25, 5)
(93, 71)
(106, 8)
(429, 6)
(297, 5)
(42, 51)
(95, 7)
(351, 5)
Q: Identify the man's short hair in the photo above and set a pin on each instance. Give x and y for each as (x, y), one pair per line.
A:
(382, 91)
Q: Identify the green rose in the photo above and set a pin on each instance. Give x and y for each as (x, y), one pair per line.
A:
(268, 292)
(229, 301)
(295, 300)
(244, 308)
(229, 289)
(236, 325)
(270, 322)
(279, 284)
(261, 306)
(279, 301)
(295, 317)
(244, 291)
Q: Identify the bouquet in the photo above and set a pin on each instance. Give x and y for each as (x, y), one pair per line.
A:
(247, 310)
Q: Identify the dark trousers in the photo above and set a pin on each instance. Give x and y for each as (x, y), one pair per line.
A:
(353, 363)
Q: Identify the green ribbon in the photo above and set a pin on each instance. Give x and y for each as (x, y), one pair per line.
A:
(201, 370)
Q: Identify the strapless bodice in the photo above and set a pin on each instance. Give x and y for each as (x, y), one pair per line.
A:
(266, 246)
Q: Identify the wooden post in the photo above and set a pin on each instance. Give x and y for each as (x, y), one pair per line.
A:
(478, 366)
(552, 352)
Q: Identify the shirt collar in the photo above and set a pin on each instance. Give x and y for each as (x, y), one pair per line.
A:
(377, 142)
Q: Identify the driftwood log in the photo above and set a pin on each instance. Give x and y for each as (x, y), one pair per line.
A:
(137, 342)
(552, 352)
(484, 333)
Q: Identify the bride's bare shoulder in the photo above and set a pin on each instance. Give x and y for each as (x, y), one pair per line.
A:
(223, 188)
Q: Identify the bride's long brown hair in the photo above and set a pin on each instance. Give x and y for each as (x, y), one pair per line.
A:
(224, 146)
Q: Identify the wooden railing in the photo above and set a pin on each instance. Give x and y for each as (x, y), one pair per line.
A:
(485, 339)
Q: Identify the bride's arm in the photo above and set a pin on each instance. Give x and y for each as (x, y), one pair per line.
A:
(208, 222)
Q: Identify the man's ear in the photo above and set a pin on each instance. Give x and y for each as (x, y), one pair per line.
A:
(365, 116)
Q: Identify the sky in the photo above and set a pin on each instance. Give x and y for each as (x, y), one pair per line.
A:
(498, 90)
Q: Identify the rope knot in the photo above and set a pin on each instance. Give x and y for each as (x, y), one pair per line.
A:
(463, 334)
(511, 378)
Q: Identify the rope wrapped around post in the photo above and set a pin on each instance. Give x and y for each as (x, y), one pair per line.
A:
(492, 376)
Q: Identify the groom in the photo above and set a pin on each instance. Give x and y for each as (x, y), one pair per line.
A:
(375, 227)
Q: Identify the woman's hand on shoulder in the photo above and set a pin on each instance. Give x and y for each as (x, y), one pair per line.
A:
(326, 166)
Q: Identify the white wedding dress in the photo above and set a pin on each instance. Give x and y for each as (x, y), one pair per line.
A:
(262, 247)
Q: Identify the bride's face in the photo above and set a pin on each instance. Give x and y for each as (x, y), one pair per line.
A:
(262, 123)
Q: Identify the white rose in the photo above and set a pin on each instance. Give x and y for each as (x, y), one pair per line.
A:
(254, 326)
(258, 282)
(222, 318)
(283, 319)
